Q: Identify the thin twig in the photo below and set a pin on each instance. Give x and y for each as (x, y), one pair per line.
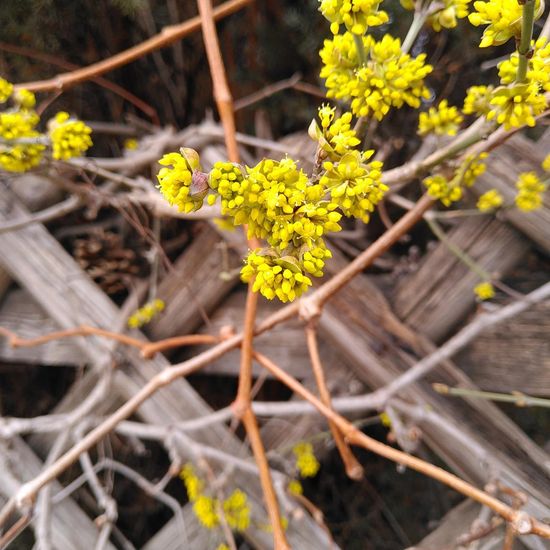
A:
(353, 468)
(167, 36)
(522, 522)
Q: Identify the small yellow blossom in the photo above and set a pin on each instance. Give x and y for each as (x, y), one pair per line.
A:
(546, 164)
(503, 20)
(204, 508)
(477, 100)
(70, 138)
(440, 120)
(146, 313)
(193, 484)
(530, 190)
(491, 200)
(385, 419)
(474, 167)
(20, 157)
(484, 290)
(24, 99)
(440, 188)
(538, 66)
(446, 17)
(275, 277)
(181, 182)
(335, 136)
(131, 144)
(356, 15)
(306, 461)
(516, 105)
(6, 89)
(236, 510)
(222, 546)
(295, 487)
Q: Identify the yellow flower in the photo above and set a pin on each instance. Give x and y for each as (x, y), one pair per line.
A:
(356, 15)
(530, 190)
(335, 137)
(503, 20)
(6, 90)
(70, 138)
(440, 120)
(354, 185)
(484, 291)
(193, 484)
(446, 17)
(131, 144)
(275, 277)
(204, 508)
(146, 313)
(546, 164)
(180, 180)
(295, 487)
(24, 99)
(440, 188)
(237, 510)
(538, 66)
(490, 200)
(306, 461)
(516, 105)
(477, 100)
(474, 167)
(389, 78)
(20, 157)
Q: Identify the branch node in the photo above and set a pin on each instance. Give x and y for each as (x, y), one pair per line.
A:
(522, 523)
(309, 309)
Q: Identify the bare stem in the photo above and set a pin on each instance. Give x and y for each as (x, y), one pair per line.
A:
(524, 46)
(354, 470)
(522, 523)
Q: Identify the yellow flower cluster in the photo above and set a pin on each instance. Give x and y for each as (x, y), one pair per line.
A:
(70, 138)
(538, 66)
(24, 99)
(295, 487)
(131, 144)
(6, 89)
(146, 313)
(503, 20)
(446, 17)
(477, 100)
(530, 190)
(237, 510)
(20, 156)
(354, 185)
(306, 461)
(356, 15)
(546, 164)
(516, 105)
(273, 276)
(484, 290)
(440, 120)
(389, 78)
(335, 136)
(491, 200)
(440, 188)
(180, 180)
(235, 507)
(471, 168)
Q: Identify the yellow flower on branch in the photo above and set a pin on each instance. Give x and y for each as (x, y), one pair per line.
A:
(484, 290)
(530, 190)
(356, 15)
(6, 89)
(306, 461)
(440, 120)
(70, 138)
(236, 510)
(491, 200)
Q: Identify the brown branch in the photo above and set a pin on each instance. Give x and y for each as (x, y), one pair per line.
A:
(167, 36)
(353, 468)
(222, 93)
(521, 522)
(243, 409)
(107, 84)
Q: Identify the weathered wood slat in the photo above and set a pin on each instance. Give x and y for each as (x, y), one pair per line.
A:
(440, 293)
(21, 314)
(195, 286)
(513, 356)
